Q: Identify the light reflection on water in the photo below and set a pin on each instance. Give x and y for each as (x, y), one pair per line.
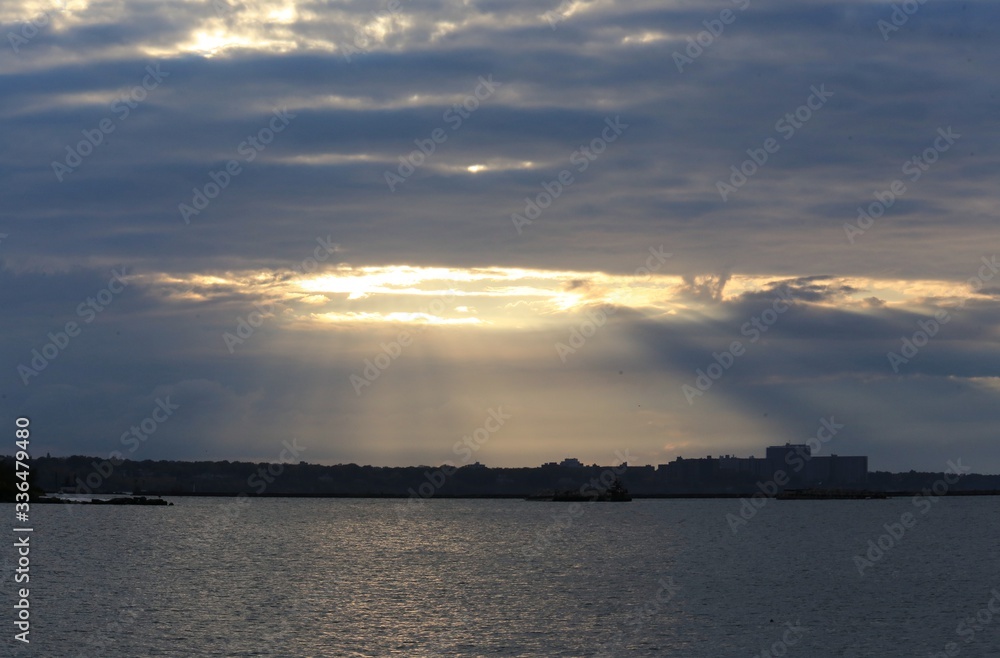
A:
(334, 577)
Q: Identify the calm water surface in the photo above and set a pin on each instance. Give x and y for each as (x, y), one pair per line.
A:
(279, 577)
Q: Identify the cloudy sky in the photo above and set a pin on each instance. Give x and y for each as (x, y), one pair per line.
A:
(661, 227)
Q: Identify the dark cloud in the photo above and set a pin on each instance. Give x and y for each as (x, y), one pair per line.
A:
(654, 185)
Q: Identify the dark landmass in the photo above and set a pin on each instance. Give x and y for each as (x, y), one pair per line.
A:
(121, 500)
(830, 494)
(93, 475)
(9, 483)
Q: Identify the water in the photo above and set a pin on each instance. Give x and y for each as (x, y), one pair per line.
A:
(280, 577)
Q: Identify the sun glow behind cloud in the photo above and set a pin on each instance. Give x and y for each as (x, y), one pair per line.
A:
(519, 297)
(408, 318)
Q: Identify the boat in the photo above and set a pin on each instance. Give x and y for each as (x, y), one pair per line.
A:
(616, 493)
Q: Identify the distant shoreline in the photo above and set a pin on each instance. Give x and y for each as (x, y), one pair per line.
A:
(93, 477)
(650, 496)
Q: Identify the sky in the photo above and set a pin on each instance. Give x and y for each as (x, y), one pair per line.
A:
(604, 230)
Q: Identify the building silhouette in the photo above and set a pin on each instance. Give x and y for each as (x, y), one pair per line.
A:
(792, 462)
